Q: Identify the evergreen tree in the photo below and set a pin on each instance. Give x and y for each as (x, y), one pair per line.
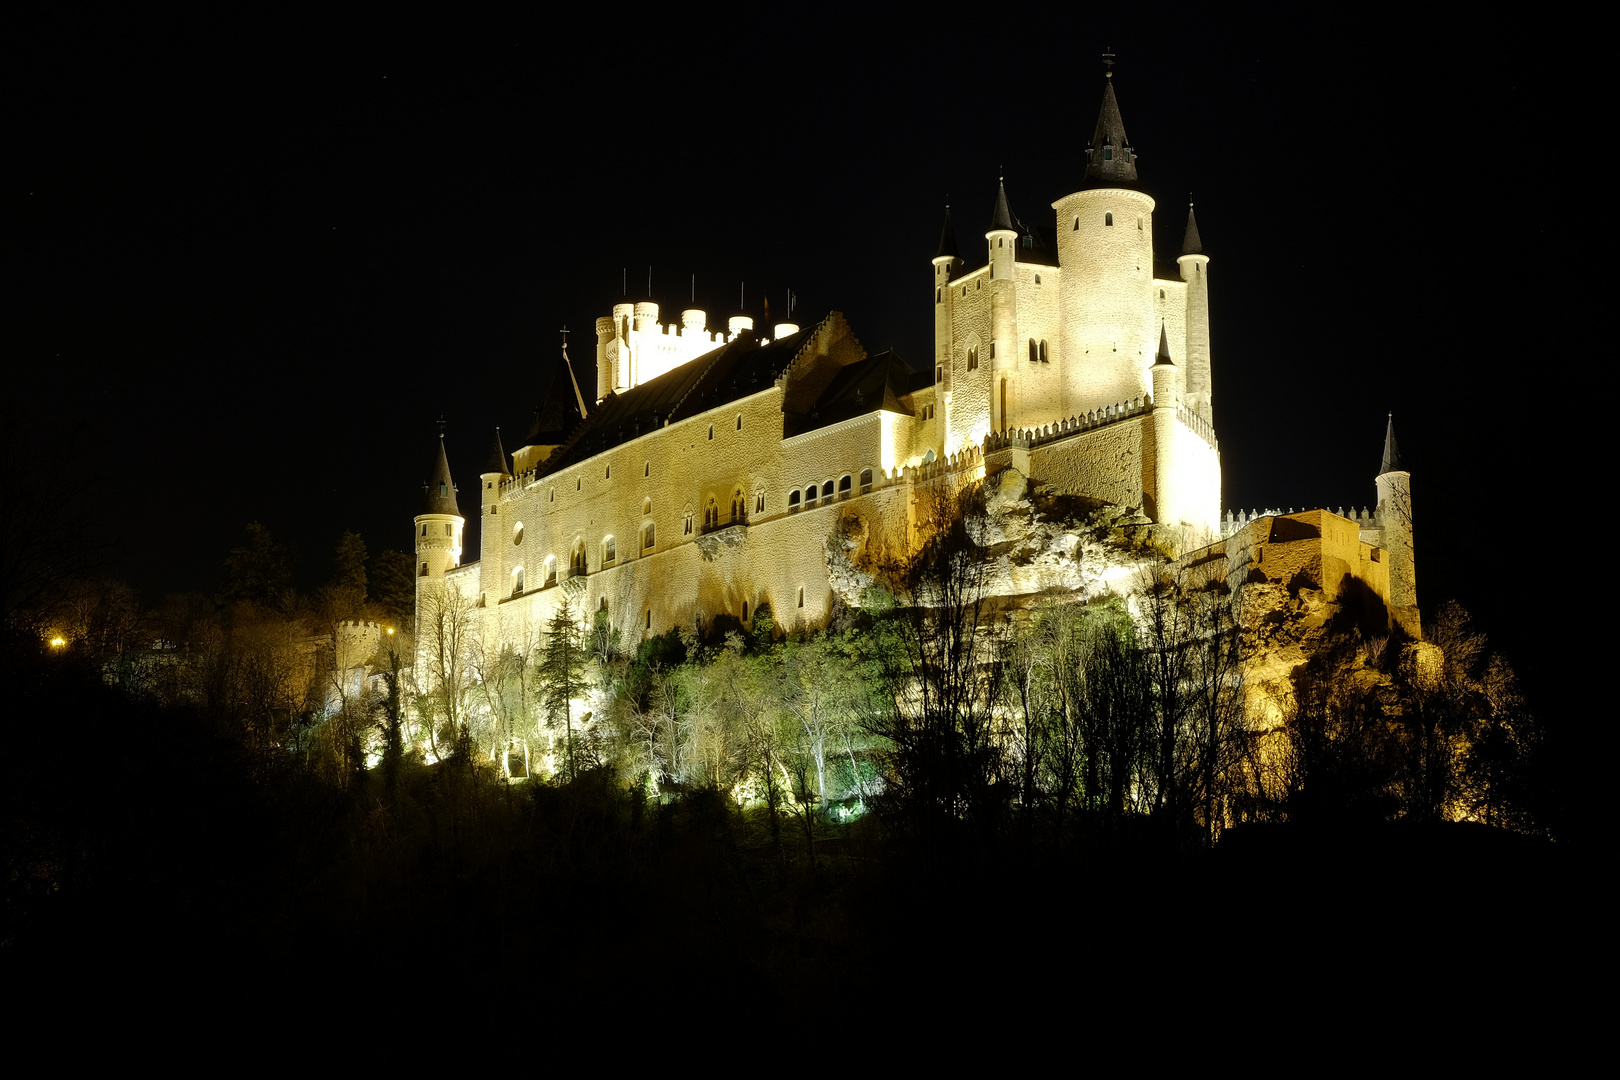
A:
(562, 673)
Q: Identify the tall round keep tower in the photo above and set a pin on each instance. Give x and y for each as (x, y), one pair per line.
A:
(1105, 247)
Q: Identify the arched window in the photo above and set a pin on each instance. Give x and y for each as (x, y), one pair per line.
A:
(551, 570)
(1076, 225)
(793, 501)
(810, 495)
(827, 491)
(576, 561)
(739, 508)
(517, 581)
(517, 534)
(686, 528)
(1108, 219)
(759, 502)
(739, 421)
(801, 596)
(647, 537)
(1034, 355)
(1044, 360)
(711, 515)
(610, 550)
(646, 506)
(973, 359)
(843, 486)
(866, 482)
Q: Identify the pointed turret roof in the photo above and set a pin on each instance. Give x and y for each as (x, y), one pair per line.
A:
(496, 462)
(1110, 161)
(1392, 453)
(1190, 243)
(1164, 347)
(1001, 217)
(439, 493)
(947, 239)
(562, 409)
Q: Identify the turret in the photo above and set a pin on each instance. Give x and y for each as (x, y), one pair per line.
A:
(1002, 240)
(1195, 272)
(1105, 293)
(438, 530)
(489, 490)
(947, 261)
(1394, 516)
(1168, 505)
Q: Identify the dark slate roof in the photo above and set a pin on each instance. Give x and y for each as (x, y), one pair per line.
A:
(1119, 170)
(496, 461)
(1001, 217)
(1037, 244)
(1392, 453)
(735, 370)
(561, 410)
(877, 382)
(439, 493)
(1190, 243)
(947, 240)
(1164, 347)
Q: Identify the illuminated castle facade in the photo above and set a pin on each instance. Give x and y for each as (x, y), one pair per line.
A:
(705, 471)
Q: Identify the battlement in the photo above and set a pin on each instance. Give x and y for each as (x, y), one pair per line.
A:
(1027, 438)
(1234, 520)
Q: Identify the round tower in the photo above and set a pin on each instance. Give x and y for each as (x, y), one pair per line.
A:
(1002, 240)
(1195, 272)
(438, 529)
(947, 260)
(1168, 502)
(605, 333)
(1394, 517)
(1105, 247)
(492, 554)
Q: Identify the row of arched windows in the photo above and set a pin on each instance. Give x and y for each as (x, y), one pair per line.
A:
(827, 491)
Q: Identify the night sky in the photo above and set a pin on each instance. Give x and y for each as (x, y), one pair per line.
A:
(251, 269)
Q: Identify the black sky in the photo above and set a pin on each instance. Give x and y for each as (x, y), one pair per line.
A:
(252, 266)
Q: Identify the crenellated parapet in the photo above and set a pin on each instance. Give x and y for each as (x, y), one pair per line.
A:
(1026, 438)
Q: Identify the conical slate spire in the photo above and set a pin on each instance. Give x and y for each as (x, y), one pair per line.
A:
(1164, 348)
(1190, 243)
(1002, 217)
(440, 490)
(1110, 161)
(496, 462)
(947, 240)
(562, 409)
(1392, 453)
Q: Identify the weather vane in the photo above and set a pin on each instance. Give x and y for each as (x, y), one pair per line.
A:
(1108, 62)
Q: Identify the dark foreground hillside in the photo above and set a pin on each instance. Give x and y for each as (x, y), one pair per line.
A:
(142, 844)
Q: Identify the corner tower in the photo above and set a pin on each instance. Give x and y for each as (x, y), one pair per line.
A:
(1002, 241)
(1195, 272)
(438, 527)
(1105, 249)
(947, 261)
(1394, 516)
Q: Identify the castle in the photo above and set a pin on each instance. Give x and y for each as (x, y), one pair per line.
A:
(705, 473)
